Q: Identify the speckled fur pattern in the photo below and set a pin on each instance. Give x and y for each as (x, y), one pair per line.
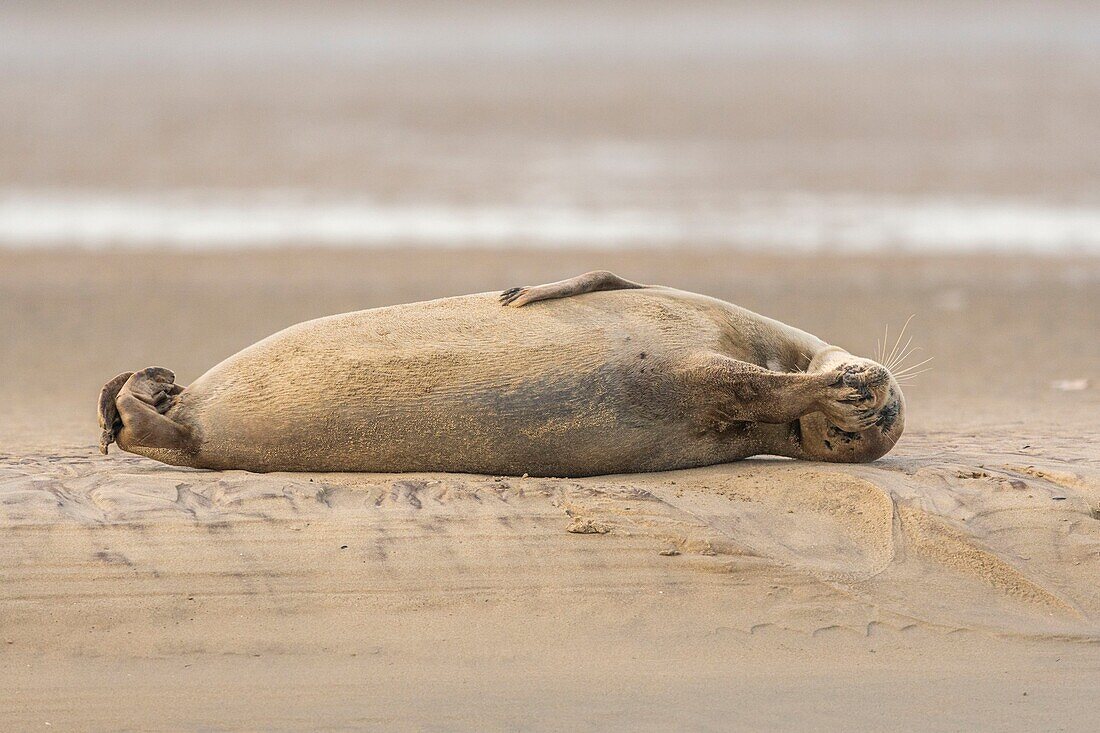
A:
(588, 379)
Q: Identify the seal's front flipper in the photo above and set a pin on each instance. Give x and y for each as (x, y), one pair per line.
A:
(728, 390)
(589, 282)
(132, 412)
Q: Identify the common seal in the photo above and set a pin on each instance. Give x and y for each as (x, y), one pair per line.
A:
(591, 375)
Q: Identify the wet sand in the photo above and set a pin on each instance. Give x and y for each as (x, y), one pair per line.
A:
(951, 585)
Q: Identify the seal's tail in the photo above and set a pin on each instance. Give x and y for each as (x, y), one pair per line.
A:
(132, 409)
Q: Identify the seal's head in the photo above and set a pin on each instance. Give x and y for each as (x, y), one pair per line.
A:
(864, 416)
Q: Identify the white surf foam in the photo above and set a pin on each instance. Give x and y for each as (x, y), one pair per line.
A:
(791, 222)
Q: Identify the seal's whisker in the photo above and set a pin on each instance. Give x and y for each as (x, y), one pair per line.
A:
(913, 366)
(901, 335)
(896, 364)
(909, 377)
(901, 354)
(909, 369)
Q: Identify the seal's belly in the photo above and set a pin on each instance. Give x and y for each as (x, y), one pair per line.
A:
(585, 385)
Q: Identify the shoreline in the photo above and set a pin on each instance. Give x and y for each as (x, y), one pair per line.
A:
(797, 221)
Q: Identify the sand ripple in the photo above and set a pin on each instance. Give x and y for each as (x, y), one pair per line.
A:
(996, 546)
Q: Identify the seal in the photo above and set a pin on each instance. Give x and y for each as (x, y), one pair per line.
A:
(591, 375)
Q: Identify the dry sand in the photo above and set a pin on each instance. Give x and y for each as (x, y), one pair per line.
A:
(950, 586)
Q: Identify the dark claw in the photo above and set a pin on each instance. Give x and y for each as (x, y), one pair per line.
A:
(853, 378)
(509, 296)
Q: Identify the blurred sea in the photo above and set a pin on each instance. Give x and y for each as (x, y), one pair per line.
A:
(793, 223)
(770, 126)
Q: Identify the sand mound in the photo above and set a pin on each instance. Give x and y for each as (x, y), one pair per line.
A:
(949, 544)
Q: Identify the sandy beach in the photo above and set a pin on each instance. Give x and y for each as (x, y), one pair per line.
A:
(948, 586)
(179, 180)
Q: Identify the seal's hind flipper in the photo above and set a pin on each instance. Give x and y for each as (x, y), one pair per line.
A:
(132, 409)
(109, 420)
(589, 282)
